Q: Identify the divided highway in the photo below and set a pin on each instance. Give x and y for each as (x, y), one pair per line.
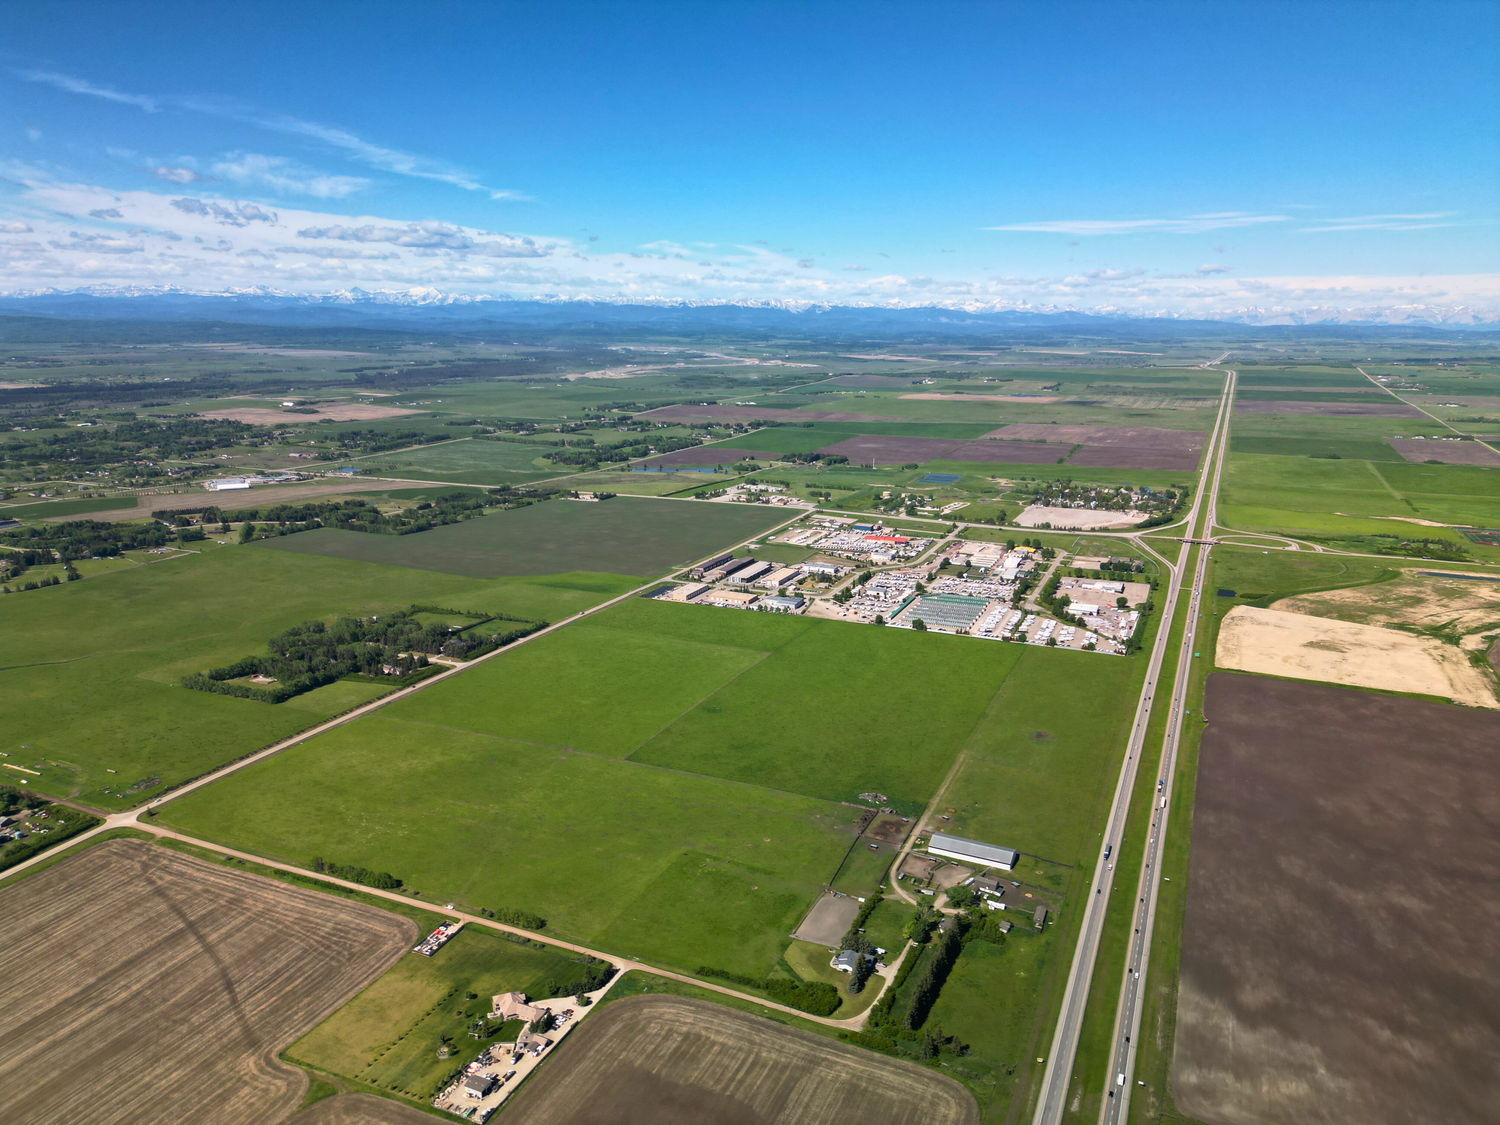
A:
(1059, 1067)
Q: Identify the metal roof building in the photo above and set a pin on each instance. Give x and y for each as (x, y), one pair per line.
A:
(943, 611)
(972, 851)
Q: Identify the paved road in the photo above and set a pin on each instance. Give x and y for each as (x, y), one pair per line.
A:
(1053, 1098)
(1128, 1012)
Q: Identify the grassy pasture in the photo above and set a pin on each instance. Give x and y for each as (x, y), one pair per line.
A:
(46, 509)
(473, 461)
(93, 685)
(627, 535)
(1332, 448)
(1312, 495)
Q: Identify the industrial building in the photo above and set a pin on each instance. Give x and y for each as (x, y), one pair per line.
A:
(972, 851)
(942, 611)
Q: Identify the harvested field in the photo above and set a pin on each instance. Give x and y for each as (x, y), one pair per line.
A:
(1274, 643)
(1076, 519)
(1448, 452)
(829, 920)
(332, 412)
(230, 501)
(879, 449)
(142, 985)
(1338, 949)
(1329, 409)
(1010, 452)
(712, 455)
(1115, 447)
(686, 412)
(359, 1109)
(1463, 608)
(668, 1060)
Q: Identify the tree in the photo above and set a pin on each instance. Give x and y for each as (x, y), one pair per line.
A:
(919, 625)
(960, 896)
(1121, 602)
(543, 1023)
(860, 973)
(582, 999)
(247, 531)
(879, 619)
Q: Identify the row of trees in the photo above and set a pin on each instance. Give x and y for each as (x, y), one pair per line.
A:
(382, 880)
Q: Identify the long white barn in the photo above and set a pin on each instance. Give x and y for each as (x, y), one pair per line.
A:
(972, 851)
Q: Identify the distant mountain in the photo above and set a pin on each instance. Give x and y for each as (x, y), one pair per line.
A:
(430, 309)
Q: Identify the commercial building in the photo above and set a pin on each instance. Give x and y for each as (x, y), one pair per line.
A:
(781, 603)
(712, 564)
(227, 484)
(686, 592)
(943, 611)
(779, 578)
(478, 1085)
(740, 599)
(752, 572)
(972, 851)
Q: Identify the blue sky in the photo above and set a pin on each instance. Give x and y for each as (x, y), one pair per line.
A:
(1153, 158)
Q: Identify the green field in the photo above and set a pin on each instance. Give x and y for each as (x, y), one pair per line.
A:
(663, 781)
(93, 687)
(626, 535)
(1329, 448)
(47, 509)
(389, 1034)
(471, 461)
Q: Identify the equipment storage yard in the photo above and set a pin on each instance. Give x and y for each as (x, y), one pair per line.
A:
(142, 985)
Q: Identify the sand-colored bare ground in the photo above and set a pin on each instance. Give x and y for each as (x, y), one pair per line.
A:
(142, 986)
(333, 412)
(1273, 642)
(1076, 519)
(1464, 609)
(233, 501)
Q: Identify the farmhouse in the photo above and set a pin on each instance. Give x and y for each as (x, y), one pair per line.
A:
(846, 960)
(513, 1006)
(972, 851)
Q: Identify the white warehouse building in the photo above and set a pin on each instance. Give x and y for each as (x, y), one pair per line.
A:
(972, 851)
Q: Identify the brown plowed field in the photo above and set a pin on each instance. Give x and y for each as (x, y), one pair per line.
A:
(753, 413)
(1115, 447)
(1339, 948)
(668, 1060)
(1448, 452)
(1330, 409)
(140, 985)
(359, 1109)
(878, 449)
(1010, 452)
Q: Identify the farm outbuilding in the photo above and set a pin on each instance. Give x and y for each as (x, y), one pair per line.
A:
(972, 851)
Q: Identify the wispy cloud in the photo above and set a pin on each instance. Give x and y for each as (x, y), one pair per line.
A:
(1205, 271)
(1192, 224)
(356, 147)
(80, 86)
(181, 175)
(283, 176)
(1423, 221)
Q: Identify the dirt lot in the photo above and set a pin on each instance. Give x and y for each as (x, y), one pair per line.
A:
(712, 455)
(141, 985)
(1339, 946)
(332, 412)
(1388, 409)
(1275, 643)
(1083, 519)
(889, 828)
(1464, 609)
(829, 920)
(667, 1060)
(231, 501)
(687, 412)
(1448, 452)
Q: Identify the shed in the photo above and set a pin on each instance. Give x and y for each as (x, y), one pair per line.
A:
(1039, 919)
(478, 1085)
(972, 851)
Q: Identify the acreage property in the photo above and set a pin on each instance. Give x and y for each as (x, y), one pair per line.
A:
(669, 1060)
(1339, 946)
(633, 535)
(141, 985)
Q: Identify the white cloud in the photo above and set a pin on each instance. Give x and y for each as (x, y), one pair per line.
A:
(106, 213)
(16, 227)
(284, 177)
(1384, 222)
(856, 269)
(1205, 270)
(181, 175)
(80, 86)
(1192, 224)
(356, 147)
(433, 236)
(33, 134)
(232, 215)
